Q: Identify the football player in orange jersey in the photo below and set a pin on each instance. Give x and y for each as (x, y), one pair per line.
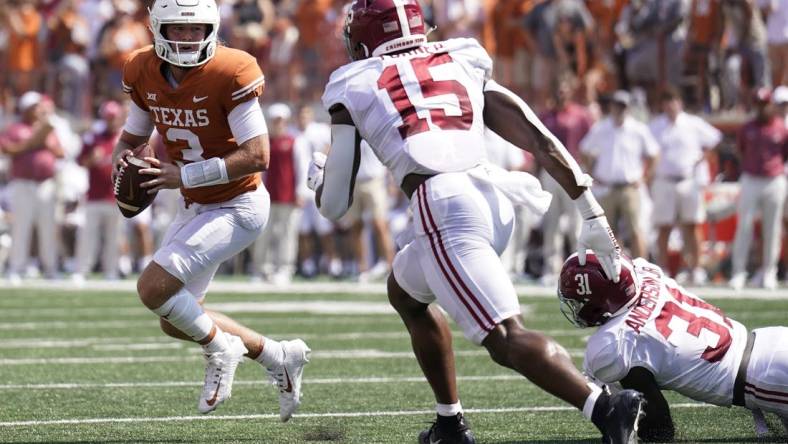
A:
(203, 99)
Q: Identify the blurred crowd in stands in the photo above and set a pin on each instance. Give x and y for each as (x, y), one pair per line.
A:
(678, 108)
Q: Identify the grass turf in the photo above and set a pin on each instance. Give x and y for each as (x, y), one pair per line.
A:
(123, 381)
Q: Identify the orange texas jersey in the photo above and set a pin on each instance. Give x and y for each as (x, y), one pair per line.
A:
(192, 118)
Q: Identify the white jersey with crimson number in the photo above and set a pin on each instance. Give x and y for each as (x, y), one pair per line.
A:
(689, 345)
(420, 110)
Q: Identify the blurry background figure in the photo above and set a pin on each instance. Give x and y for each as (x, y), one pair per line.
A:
(458, 18)
(507, 156)
(316, 250)
(652, 34)
(369, 210)
(248, 25)
(101, 225)
(24, 61)
(780, 99)
(776, 12)
(681, 175)
(121, 35)
(312, 20)
(557, 30)
(69, 79)
(505, 39)
(747, 64)
(762, 143)
(34, 149)
(620, 152)
(702, 55)
(137, 243)
(569, 122)
(274, 252)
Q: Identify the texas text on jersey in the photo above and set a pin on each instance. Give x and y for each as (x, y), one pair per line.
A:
(194, 118)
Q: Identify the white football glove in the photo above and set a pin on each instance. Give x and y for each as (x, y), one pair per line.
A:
(315, 174)
(597, 235)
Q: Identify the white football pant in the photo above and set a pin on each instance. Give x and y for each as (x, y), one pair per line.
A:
(462, 225)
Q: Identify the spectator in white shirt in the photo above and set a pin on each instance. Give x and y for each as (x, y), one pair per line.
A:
(620, 152)
(681, 174)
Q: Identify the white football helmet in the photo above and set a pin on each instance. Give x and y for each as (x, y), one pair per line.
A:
(165, 12)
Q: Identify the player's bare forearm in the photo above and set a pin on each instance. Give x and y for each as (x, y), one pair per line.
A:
(251, 157)
(657, 426)
(505, 118)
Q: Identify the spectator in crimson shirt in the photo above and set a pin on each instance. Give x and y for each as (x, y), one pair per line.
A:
(762, 144)
(102, 218)
(274, 253)
(569, 122)
(33, 148)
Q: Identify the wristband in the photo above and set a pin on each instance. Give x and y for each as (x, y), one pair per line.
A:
(204, 173)
(588, 206)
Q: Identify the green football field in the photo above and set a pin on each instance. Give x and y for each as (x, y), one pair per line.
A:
(92, 366)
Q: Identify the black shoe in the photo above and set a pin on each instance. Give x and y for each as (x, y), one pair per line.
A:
(617, 416)
(448, 430)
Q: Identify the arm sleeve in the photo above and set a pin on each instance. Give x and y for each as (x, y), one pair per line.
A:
(138, 121)
(247, 121)
(301, 157)
(340, 171)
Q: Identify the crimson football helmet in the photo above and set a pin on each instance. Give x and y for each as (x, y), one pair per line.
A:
(588, 298)
(376, 27)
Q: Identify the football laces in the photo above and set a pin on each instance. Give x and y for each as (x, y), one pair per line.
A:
(116, 185)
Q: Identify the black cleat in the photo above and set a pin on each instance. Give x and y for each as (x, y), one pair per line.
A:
(448, 430)
(617, 416)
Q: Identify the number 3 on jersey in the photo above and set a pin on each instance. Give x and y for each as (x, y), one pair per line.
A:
(195, 150)
(391, 79)
(696, 324)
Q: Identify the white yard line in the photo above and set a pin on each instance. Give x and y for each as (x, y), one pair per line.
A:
(151, 321)
(65, 287)
(308, 381)
(325, 354)
(132, 420)
(105, 343)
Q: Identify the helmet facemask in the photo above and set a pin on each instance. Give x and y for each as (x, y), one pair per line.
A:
(571, 310)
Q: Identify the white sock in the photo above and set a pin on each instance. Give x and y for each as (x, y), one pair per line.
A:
(272, 353)
(449, 409)
(184, 313)
(588, 407)
(219, 343)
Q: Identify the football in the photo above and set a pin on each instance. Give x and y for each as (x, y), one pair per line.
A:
(130, 197)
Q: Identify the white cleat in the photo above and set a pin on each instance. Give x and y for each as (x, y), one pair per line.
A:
(287, 377)
(219, 374)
